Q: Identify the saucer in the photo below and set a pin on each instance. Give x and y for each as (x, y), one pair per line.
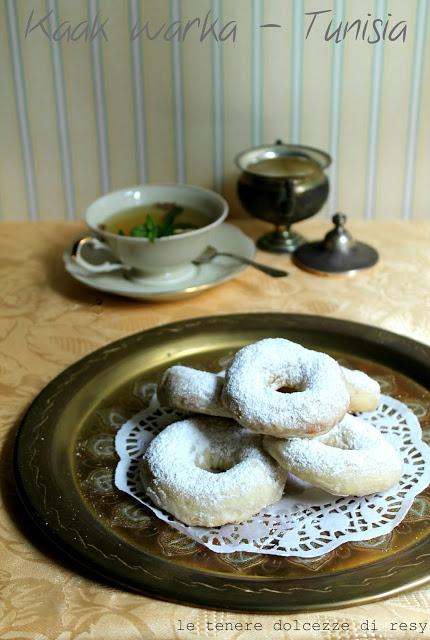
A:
(226, 238)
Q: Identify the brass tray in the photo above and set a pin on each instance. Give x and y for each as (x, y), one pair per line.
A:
(64, 462)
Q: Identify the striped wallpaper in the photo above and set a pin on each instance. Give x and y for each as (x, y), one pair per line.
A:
(80, 118)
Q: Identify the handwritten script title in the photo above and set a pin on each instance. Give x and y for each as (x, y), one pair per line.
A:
(321, 24)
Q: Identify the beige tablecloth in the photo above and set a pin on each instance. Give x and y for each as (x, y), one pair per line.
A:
(47, 321)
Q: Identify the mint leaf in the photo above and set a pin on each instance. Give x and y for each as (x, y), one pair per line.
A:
(167, 227)
(139, 231)
(151, 228)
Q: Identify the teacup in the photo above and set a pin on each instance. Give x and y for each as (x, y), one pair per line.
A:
(167, 258)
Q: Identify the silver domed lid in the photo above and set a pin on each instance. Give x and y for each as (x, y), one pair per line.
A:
(337, 254)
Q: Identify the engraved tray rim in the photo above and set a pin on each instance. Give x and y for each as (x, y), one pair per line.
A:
(165, 579)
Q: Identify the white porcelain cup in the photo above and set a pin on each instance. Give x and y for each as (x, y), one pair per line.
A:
(169, 257)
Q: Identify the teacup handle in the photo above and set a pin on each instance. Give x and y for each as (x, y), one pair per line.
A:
(94, 243)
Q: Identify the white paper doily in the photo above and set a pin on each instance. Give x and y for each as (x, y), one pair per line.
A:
(307, 522)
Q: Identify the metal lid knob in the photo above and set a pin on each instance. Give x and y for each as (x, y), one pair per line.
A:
(338, 253)
(338, 239)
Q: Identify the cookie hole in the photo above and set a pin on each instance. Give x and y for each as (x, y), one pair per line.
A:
(214, 468)
(285, 389)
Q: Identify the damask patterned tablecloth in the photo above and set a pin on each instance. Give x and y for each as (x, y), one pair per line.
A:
(48, 321)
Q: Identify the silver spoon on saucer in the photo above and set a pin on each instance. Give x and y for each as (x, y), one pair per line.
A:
(210, 253)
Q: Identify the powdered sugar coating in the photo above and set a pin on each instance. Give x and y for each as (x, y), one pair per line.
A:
(176, 471)
(198, 391)
(319, 400)
(192, 390)
(363, 390)
(353, 458)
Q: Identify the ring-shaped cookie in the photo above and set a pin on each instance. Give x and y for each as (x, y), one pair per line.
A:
(364, 392)
(209, 472)
(198, 391)
(316, 397)
(353, 458)
(192, 390)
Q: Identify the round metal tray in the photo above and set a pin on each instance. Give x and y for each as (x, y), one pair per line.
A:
(64, 462)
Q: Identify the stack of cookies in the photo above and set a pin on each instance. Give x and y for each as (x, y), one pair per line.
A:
(277, 408)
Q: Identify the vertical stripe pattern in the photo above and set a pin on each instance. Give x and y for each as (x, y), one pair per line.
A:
(62, 120)
(178, 97)
(256, 72)
(336, 99)
(21, 107)
(421, 31)
(81, 117)
(138, 95)
(297, 36)
(217, 106)
(99, 97)
(374, 117)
